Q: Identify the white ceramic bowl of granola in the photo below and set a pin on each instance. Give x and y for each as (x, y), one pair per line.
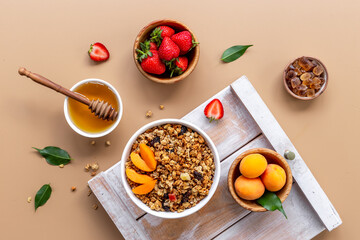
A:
(186, 212)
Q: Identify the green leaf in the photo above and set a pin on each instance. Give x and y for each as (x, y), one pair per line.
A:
(54, 155)
(271, 202)
(42, 195)
(233, 53)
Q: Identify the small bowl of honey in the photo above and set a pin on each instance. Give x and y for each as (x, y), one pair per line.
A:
(78, 116)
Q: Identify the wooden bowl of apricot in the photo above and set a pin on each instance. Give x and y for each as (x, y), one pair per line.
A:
(255, 171)
(166, 51)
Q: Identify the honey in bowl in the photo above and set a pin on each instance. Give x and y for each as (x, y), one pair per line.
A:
(80, 114)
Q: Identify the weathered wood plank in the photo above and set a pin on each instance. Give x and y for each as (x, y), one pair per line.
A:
(113, 178)
(235, 129)
(217, 215)
(280, 142)
(302, 222)
(117, 210)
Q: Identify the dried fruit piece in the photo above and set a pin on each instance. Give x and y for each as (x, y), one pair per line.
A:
(198, 176)
(295, 82)
(318, 70)
(155, 140)
(73, 188)
(139, 163)
(136, 177)
(148, 156)
(172, 197)
(144, 188)
(185, 176)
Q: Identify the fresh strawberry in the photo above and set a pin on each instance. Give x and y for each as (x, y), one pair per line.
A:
(214, 110)
(98, 52)
(182, 63)
(168, 49)
(172, 197)
(185, 41)
(153, 46)
(177, 65)
(153, 64)
(160, 32)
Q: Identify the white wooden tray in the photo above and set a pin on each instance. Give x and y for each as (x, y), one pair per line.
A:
(247, 124)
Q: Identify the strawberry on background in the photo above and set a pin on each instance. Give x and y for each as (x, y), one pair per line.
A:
(184, 40)
(214, 110)
(98, 52)
(168, 49)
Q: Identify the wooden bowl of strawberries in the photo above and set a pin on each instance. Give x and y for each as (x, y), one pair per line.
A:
(166, 51)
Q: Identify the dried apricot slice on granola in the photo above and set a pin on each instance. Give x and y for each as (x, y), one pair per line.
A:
(144, 188)
(148, 156)
(136, 177)
(139, 163)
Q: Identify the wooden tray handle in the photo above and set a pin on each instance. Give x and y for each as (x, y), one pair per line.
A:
(47, 83)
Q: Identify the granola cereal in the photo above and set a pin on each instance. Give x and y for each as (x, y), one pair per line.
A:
(185, 167)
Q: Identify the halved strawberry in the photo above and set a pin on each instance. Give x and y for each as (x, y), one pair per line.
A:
(214, 110)
(98, 52)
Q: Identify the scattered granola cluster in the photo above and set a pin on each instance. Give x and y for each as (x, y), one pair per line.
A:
(185, 167)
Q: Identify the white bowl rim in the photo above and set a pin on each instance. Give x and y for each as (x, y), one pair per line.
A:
(170, 215)
(103, 133)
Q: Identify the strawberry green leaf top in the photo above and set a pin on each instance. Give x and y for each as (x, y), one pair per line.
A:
(144, 50)
(159, 33)
(177, 65)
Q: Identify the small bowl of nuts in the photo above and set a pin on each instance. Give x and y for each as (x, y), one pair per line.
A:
(305, 78)
(170, 168)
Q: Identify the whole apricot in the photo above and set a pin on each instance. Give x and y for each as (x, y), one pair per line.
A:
(253, 165)
(274, 177)
(249, 188)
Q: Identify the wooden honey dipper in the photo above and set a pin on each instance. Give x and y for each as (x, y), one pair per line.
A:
(101, 109)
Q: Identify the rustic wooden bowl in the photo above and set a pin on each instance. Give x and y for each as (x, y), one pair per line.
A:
(271, 157)
(322, 89)
(193, 55)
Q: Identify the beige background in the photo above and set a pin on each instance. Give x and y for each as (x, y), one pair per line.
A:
(52, 38)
